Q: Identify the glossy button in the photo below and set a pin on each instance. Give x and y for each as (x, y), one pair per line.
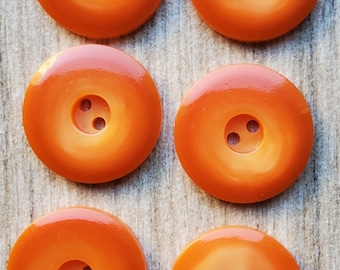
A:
(252, 20)
(92, 113)
(235, 248)
(100, 18)
(77, 239)
(244, 133)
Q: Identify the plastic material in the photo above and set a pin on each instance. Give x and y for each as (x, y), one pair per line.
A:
(235, 248)
(253, 20)
(100, 18)
(92, 113)
(244, 133)
(77, 239)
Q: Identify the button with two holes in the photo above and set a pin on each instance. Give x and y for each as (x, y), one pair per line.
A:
(244, 133)
(92, 113)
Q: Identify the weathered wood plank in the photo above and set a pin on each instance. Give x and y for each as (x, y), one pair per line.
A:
(158, 201)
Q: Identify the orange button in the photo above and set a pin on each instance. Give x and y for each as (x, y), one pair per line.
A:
(77, 238)
(251, 21)
(101, 18)
(235, 248)
(244, 133)
(92, 113)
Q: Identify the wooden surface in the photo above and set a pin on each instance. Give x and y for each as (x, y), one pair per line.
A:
(158, 201)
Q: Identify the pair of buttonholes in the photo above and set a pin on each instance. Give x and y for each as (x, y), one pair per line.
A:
(243, 133)
(98, 123)
(91, 114)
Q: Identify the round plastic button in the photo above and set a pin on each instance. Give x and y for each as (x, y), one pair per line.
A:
(92, 113)
(244, 133)
(235, 248)
(100, 19)
(77, 239)
(251, 21)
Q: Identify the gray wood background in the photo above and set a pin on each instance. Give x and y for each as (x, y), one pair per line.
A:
(160, 204)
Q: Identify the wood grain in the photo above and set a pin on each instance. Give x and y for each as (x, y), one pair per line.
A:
(158, 201)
